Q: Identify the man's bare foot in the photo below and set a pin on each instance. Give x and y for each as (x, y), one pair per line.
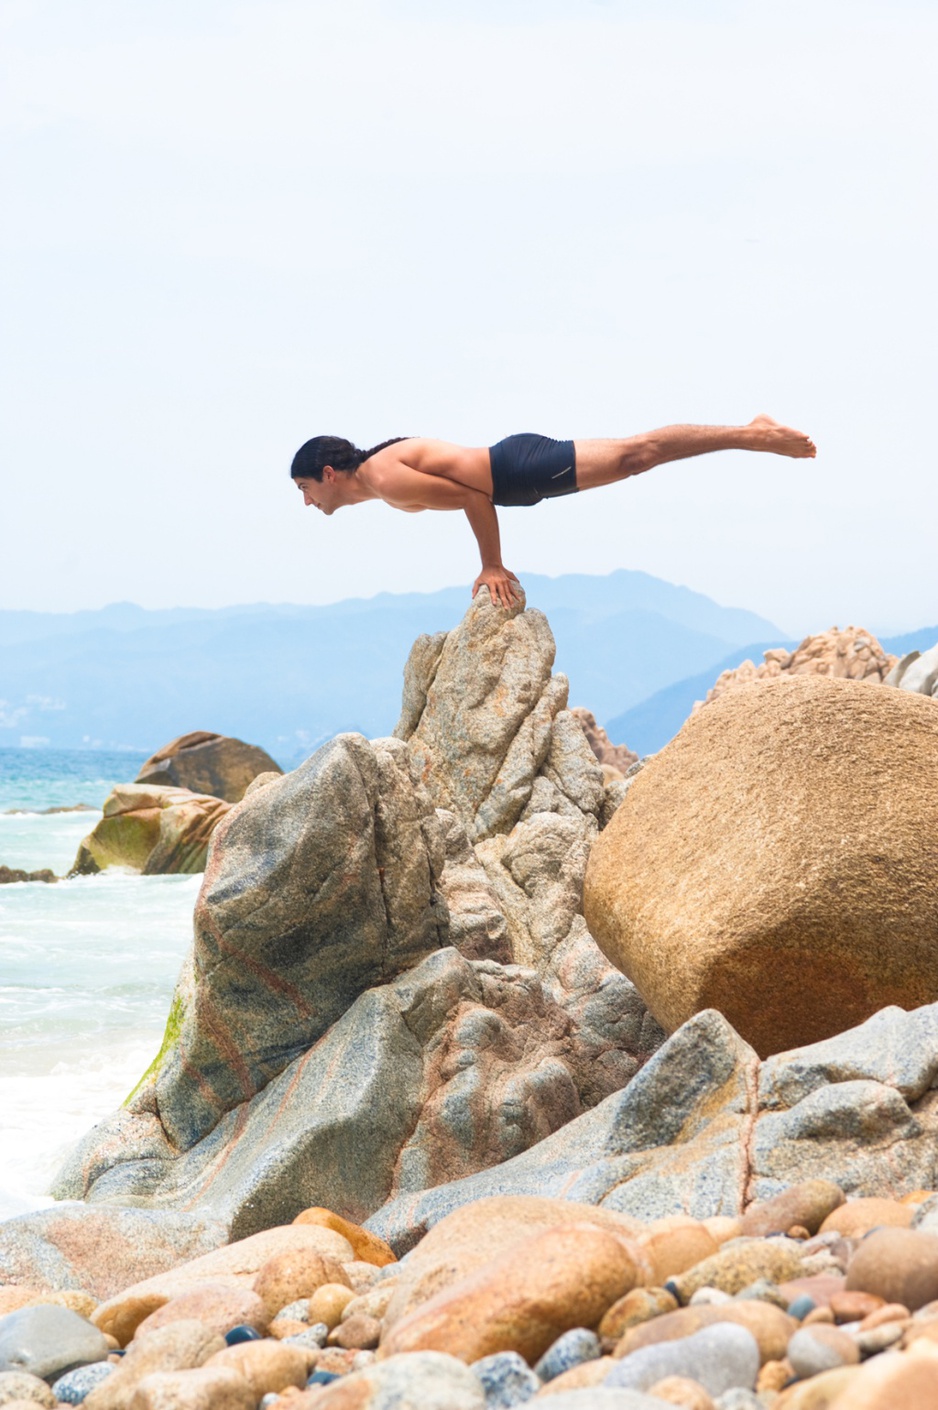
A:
(781, 440)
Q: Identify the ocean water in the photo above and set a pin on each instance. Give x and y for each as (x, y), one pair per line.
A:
(87, 968)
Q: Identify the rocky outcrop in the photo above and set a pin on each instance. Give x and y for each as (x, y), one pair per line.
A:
(761, 863)
(705, 1129)
(611, 756)
(10, 874)
(151, 830)
(389, 955)
(208, 763)
(848, 654)
(917, 672)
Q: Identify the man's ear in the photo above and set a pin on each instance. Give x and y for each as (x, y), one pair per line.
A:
(328, 474)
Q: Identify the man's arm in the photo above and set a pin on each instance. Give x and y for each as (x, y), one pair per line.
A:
(404, 488)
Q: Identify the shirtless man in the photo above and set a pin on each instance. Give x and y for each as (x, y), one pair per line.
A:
(414, 473)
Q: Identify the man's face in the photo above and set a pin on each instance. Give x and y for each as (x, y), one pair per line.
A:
(326, 494)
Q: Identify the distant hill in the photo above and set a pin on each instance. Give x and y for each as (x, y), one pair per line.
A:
(648, 726)
(286, 677)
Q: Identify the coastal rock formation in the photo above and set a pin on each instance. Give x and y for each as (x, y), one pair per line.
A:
(208, 763)
(918, 672)
(151, 830)
(8, 875)
(389, 955)
(705, 1129)
(848, 654)
(763, 863)
(613, 756)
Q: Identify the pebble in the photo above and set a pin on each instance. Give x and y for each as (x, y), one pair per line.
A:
(854, 1306)
(880, 1337)
(217, 1306)
(894, 1383)
(808, 1203)
(771, 1327)
(819, 1348)
(48, 1340)
(72, 1388)
(328, 1303)
(763, 1291)
(739, 1264)
(588, 1373)
(507, 1379)
(571, 1349)
(709, 1297)
(719, 1357)
(888, 1312)
(638, 1306)
(898, 1265)
(358, 1333)
(266, 1365)
(242, 1332)
(739, 1399)
(367, 1247)
(523, 1300)
(858, 1216)
(428, 1379)
(206, 1388)
(295, 1273)
(819, 1314)
(178, 1347)
(821, 1392)
(681, 1390)
(314, 1338)
(801, 1306)
(674, 1244)
(774, 1375)
(22, 1385)
(296, 1311)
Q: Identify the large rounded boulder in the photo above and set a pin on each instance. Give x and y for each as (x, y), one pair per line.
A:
(215, 764)
(778, 861)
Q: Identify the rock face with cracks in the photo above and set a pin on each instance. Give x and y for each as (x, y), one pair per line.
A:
(776, 861)
(389, 957)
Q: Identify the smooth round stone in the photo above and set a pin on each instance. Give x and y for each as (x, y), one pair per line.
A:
(242, 1333)
(506, 1378)
(571, 1349)
(638, 1306)
(709, 1297)
(21, 1386)
(762, 1290)
(801, 1306)
(719, 1357)
(899, 1265)
(821, 1348)
(48, 1340)
(75, 1385)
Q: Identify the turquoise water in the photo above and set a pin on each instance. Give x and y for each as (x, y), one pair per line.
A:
(87, 968)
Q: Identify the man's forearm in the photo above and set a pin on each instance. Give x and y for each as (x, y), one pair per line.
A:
(480, 511)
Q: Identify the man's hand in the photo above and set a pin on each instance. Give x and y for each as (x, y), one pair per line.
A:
(499, 583)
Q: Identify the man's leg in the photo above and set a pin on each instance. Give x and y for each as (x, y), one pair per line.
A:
(602, 462)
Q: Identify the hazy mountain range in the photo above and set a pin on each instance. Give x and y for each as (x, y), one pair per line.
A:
(638, 652)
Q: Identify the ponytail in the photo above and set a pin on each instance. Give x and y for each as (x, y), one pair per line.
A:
(313, 456)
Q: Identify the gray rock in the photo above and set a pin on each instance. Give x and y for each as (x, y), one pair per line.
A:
(72, 1388)
(917, 672)
(417, 1380)
(507, 1379)
(101, 1250)
(20, 1385)
(569, 1350)
(455, 1065)
(740, 1399)
(719, 1357)
(810, 1355)
(48, 1340)
(314, 1336)
(296, 1312)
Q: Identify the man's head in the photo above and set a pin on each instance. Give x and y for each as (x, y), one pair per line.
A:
(322, 470)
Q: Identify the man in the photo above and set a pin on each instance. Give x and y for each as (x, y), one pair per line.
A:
(414, 473)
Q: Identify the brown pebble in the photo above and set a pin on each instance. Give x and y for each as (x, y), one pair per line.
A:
(820, 1287)
(588, 1373)
(674, 1245)
(917, 1197)
(822, 1392)
(854, 1306)
(858, 1216)
(878, 1338)
(208, 1388)
(267, 1366)
(681, 1390)
(899, 1265)
(892, 1383)
(774, 1375)
(368, 1247)
(819, 1316)
(217, 1306)
(293, 1274)
(639, 1305)
(282, 1327)
(806, 1205)
(358, 1333)
(888, 1312)
(23, 1388)
(328, 1303)
(771, 1327)
(336, 1360)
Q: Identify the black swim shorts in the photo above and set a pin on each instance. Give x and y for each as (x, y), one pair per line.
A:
(527, 469)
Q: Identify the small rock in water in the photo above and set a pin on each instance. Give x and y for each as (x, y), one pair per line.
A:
(821, 1348)
(72, 1388)
(507, 1379)
(21, 1385)
(569, 1350)
(720, 1357)
(48, 1341)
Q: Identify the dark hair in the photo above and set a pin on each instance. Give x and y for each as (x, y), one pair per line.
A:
(314, 455)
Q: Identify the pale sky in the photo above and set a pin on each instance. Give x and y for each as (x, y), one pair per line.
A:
(231, 226)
